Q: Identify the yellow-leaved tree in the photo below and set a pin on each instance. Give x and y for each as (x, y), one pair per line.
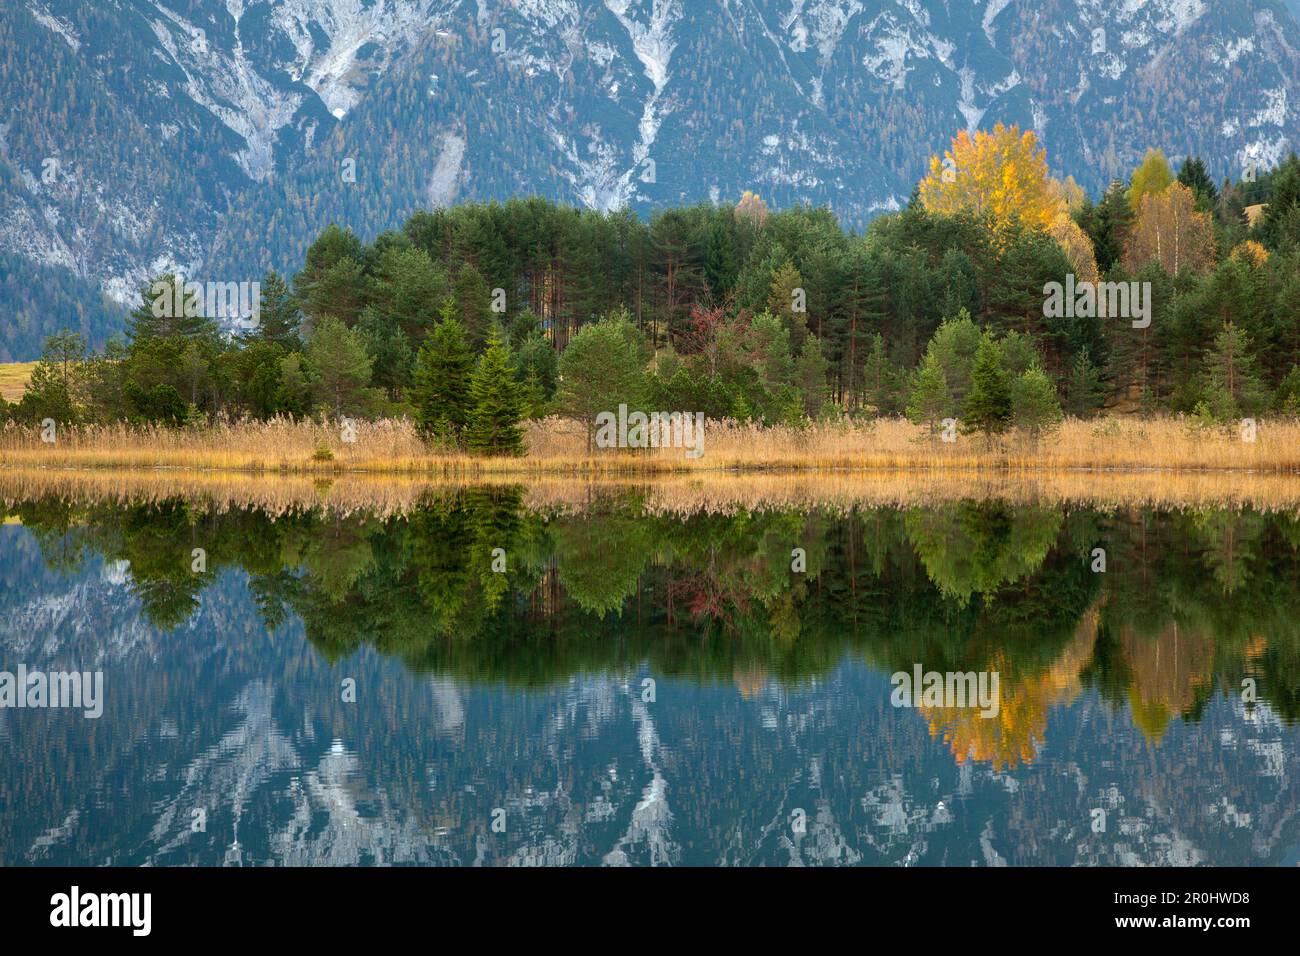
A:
(1168, 229)
(1002, 177)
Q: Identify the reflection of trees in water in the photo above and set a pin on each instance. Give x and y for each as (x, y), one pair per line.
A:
(1189, 602)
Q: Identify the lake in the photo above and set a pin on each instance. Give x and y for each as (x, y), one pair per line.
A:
(484, 676)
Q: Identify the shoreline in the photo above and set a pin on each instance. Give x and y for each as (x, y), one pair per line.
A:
(557, 448)
(675, 493)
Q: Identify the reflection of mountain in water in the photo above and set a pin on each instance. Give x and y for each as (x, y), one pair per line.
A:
(765, 737)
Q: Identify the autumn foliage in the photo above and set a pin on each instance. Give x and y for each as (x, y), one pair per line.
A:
(1002, 177)
(1168, 230)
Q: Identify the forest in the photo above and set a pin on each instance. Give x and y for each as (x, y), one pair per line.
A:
(470, 319)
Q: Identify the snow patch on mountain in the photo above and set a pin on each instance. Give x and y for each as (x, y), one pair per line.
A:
(990, 14)
(329, 36)
(59, 25)
(444, 183)
(894, 43)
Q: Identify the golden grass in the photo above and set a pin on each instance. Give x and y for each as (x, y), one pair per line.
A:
(558, 447)
(14, 377)
(678, 494)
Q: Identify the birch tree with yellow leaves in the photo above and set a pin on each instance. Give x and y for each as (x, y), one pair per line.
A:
(1002, 178)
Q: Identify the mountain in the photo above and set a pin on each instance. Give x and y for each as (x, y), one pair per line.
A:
(218, 136)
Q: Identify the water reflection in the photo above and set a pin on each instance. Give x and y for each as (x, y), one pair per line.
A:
(626, 687)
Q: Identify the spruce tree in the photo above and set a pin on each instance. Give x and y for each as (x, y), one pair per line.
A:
(880, 379)
(930, 398)
(278, 318)
(441, 383)
(1231, 383)
(1034, 405)
(340, 367)
(1194, 176)
(1085, 394)
(498, 405)
(988, 404)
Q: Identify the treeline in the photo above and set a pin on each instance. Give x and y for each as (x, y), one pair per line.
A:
(471, 318)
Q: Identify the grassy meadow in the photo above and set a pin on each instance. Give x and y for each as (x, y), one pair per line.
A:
(13, 379)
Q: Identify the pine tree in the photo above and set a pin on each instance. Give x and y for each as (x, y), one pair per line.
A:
(1085, 394)
(929, 398)
(602, 367)
(1034, 405)
(339, 367)
(1231, 384)
(1194, 176)
(988, 405)
(278, 318)
(56, 387)
(880, 379)
(440, 390)
(498, 406)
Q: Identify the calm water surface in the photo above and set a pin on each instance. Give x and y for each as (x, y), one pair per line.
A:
(650, 689)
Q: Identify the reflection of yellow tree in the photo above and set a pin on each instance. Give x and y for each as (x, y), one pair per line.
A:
(1169, 673)
(1012, 737)
(750, 680)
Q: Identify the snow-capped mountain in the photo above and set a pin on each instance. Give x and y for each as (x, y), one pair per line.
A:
(217, 136)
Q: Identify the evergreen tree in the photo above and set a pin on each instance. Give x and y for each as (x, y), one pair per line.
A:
(389, 350)
(1231, 384)
(56, 387)
(880, 379)
(1085, 394)
(987, 407)
(278, 316)
(810, 377)
(1279, 222)
(498, 406)
(955, 345)
(602, 367)
(1034, 405)
(788, 285)
(1195, 177)
(929, 400)
(720, 264)
(293, 393)
(474, 303)
(1287, 399)
(440, 390)
(339, 367)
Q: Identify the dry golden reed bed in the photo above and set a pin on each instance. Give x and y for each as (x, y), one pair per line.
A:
(559, 448)
(679, 494)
